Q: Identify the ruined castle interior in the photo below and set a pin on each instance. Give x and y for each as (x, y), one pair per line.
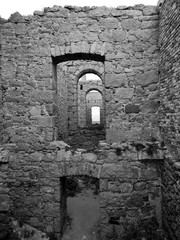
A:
(91, 92)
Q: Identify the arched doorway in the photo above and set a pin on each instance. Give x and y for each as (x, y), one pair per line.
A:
(90, 91)
(83, 208)
(94, 108)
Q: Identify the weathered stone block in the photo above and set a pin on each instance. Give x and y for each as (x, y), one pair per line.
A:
(150, 173)
(20, 29)
(149, 24)
(135, 201)
(150, 10)
(99, 12)
(132, 108)
(147, 78)
(112, 56)
(119, 36)
(16, 18)
(130, 24)
(109, 22)
(35, 111)
(45, 121)
(119, 171)
(150, 106)
(132, 13)
(124, 93)
(42, 96)
(116, 186)
(114, 135)
(115, 80)
(38, 13)
(105, 36)
(89, 157)
(139, 186)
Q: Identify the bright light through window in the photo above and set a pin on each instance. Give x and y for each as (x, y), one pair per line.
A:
(95, 115)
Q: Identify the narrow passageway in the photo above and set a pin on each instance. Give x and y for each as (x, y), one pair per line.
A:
(83, 216)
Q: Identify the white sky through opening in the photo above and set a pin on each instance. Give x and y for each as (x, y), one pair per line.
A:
(95, 115)
(92, 76)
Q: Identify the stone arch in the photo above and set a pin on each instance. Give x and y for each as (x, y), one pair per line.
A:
(84, 111)
(78, 48)
(66, 78)
(97, 71)
(83, 167)
(80, 169)
(93, 89)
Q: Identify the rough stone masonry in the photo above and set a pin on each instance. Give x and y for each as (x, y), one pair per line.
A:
(135, 52)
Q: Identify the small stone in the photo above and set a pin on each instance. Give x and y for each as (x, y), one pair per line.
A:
(177, 165)
(131, 108)
(124, 93)
(150, 10)
(38, 13)
(130, 24)
(89, 157)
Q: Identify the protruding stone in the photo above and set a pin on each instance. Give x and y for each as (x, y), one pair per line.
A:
(16, 18)
(38, 13)
(150, 10)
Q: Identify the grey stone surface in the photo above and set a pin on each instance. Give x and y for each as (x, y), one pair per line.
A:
(42, 59)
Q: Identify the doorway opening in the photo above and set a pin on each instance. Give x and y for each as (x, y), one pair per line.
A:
(95, 115)
(94, 108)
(90, 94)
(82, 208)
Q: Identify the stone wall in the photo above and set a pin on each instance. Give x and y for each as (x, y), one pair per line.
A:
(4, 152)
(169, 43)
(43, 57)
(130, 184)
(122, 39)
(1, 93)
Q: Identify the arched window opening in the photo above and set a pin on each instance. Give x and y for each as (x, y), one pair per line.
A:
(90, 89)
(95, 115)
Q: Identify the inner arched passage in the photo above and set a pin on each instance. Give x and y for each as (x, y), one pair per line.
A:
(94, 108)
(90, 89)
(91, 108)
(67, 74)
